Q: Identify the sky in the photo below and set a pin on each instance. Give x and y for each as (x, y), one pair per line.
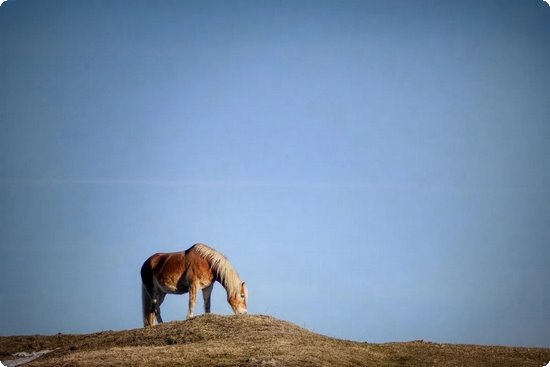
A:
(374, 170)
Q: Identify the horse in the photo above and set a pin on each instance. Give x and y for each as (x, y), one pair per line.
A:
(196, 268)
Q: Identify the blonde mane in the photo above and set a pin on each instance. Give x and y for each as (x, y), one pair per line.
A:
(227, 274)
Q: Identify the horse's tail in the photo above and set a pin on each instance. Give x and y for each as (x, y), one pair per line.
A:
(148, 308)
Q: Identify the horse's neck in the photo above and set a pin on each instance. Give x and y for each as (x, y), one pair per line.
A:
(230, 282)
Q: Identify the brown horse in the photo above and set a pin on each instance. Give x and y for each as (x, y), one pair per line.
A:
(188, 271)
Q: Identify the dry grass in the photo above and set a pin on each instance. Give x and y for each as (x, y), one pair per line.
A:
(252, 341)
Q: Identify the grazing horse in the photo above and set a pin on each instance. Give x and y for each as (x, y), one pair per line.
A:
(196, 268)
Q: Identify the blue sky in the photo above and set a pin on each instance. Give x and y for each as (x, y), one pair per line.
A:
(375, 170)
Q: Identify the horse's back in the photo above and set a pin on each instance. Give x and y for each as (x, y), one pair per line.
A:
(170, 259)
(165, 261)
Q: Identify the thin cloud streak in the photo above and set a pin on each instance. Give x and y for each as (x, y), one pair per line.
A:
(196, 183)
(267, 184)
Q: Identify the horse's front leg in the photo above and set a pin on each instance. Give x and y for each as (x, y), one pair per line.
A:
(193, 289)
(206, 293)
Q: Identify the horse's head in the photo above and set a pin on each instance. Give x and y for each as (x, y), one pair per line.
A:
(238, 301)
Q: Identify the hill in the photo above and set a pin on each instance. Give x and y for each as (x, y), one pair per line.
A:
(252, 340)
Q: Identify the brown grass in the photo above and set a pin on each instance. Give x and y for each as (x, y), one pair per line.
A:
(252, 341)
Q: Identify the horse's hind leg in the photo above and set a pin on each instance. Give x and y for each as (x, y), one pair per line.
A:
(148, 304)
(206, 293)
(152, 299)
(158, 301)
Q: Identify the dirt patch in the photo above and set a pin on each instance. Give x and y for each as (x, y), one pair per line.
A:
(252, 340)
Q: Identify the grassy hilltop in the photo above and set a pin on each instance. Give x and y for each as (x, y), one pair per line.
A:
(252, 340)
